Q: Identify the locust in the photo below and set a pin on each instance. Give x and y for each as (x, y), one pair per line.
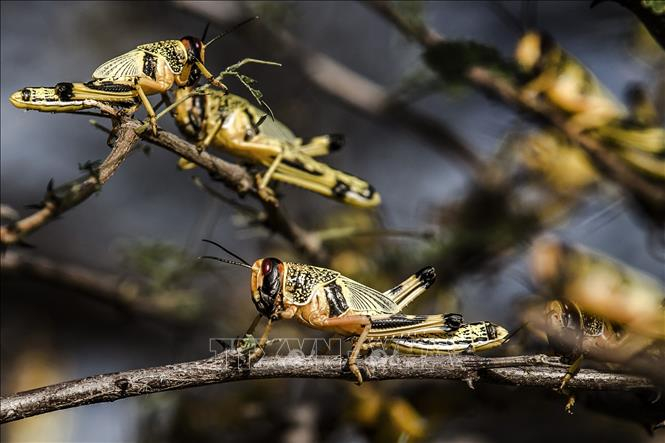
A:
(604, 310)
(324, 299)
(230, 123)
(151, 68)
(550, 73)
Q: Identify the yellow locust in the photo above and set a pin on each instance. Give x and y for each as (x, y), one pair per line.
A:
(324, 299)
(230, 123)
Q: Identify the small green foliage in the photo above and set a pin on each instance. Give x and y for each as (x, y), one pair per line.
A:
(418, 83)
(453, 59)
(247, 343)
(165, 267)
(656, 6)
(248, 81)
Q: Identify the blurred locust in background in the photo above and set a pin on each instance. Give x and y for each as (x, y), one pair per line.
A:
(326, 300)
(600, 310)
(549, 73)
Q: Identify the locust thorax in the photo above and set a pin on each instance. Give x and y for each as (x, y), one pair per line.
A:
(267, 285)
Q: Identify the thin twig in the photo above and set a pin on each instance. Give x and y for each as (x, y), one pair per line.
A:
(73, 193)
(535, 370)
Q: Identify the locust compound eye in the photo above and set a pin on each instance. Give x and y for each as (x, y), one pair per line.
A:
(25, 94)
(266, 266)
(194, 47)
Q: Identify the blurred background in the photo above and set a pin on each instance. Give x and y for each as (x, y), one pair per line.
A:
(146, 300)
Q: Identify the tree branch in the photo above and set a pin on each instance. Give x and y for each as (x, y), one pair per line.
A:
(233, 176)
(76, 191)
(536, 370)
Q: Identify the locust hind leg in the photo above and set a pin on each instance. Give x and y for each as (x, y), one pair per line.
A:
(322, 145)
(411, 288)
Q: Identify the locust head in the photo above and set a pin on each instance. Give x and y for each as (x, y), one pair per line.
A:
(267, 278)
(564, 323)
(266, 282)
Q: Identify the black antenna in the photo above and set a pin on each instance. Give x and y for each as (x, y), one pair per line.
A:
(205, 32)
(227, 32)
(223, 260)
(227, 251)
(512, 334)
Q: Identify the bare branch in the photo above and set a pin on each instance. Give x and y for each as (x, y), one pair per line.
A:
(536, 370)
(75, 192)
(234, 176)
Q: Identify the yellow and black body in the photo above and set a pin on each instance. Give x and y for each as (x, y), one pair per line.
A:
(324, 299)
(69, 97)
(153, 68)
(469, 337)
(230, 123)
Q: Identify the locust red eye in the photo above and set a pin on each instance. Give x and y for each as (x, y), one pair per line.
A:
(266, 266)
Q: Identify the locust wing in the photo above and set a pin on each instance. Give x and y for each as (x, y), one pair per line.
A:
(129, 64)
(363, 299)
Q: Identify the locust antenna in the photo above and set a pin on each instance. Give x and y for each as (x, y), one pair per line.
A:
(227, 32)
(512, 334)
(205, 32)
(223, 260)
(244, 262)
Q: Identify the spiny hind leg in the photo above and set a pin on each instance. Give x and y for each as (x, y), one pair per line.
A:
(411, 288)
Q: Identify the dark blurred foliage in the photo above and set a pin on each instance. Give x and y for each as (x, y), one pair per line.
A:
(146, 224)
